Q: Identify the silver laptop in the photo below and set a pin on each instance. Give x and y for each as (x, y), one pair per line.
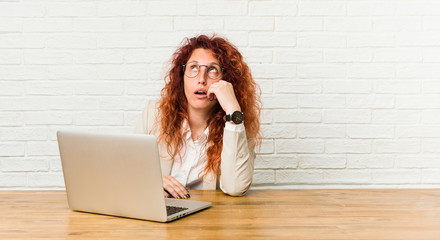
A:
(119, 175)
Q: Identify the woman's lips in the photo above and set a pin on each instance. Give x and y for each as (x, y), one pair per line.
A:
(201, 94)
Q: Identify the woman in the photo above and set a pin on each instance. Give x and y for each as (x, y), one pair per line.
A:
(207, 119)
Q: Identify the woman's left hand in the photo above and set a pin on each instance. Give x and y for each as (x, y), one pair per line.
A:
(224, 92)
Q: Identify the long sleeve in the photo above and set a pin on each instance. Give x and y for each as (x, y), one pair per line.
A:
(237, 165)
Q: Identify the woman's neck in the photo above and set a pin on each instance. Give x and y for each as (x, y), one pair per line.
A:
(197, 121)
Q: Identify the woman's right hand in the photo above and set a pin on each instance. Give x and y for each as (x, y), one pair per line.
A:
(173, 188)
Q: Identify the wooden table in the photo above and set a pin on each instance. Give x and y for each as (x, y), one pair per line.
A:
(262, 214)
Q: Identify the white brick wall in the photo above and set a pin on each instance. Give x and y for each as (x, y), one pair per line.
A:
(351, 89)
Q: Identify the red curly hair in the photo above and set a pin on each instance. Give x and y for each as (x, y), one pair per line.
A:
(173, 103)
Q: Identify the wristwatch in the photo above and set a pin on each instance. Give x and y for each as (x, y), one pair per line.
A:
(236, 117)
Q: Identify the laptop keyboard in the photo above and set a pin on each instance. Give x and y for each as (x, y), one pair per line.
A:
(173, 209)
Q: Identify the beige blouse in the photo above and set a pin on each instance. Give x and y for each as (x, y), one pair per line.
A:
(237, 164)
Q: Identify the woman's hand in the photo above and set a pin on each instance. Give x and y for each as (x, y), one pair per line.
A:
(224, 92)
(173, 188)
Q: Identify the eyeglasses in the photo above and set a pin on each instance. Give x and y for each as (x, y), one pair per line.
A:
(213, 71)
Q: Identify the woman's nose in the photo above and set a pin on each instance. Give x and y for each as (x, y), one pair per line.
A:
(202, 76)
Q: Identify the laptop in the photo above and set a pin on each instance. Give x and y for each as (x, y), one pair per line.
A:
(119, 175)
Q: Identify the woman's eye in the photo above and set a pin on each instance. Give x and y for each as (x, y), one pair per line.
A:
(213, 69)
(193, 68)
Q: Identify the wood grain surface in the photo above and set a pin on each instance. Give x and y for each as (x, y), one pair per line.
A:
(262, 214)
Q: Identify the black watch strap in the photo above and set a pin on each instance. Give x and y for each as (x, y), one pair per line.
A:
(236, 117)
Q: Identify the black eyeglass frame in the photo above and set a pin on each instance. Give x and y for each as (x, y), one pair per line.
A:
(206, 70)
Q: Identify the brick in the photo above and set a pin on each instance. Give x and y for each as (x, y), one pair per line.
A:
(396, 23)
(11, 25)
(11, 119)
(370, 71)
(316, 40)
(396, 177)
(71, 42)
(273, 9)
(97, 25)
(257, 55)
(47, 25)
(43, 57)
(122, 9)
(347, 86)
(49, 88)
(431, 146)
(23, 133)
(24, 165)
(222, 8)
(106, 88)
(45, 118)
(347, 24)
(297, 116)
(370, 131)
(346, 116)
(22, 41)
(71, 9)
(74, 103)
(321, 101)
(100, 118)
(10, 88)
(298, 56)
(73, 72)
(266, 117)
(347, 177)
(323, 71)
(431, 55)
(299, 146)
(266, 86)
(272, 71)
(279, 131)
(397, 55)
(397, 86)
(21, 10)
(276, 161)
(125, 103)
(322, 8)
(11, 149)
(430, 176)
(396, 146)
(297, 86)
(198, 23)
(46, 180)
(417, 71)
(431, 86)
(11, 57)
(424, 131)
(414, 8)
(148, 24)
(169, 39)
(371, 8)
(99, 56)
(395, 117)
(143, 88)
(145, 56)
(348, 146)
(417, 161)
(267, 146)
(321, 131)
(172, 8)
(269, 39)
(122, 72)
(370, 101)
(42, 148)
(370, 40)
(23, 73)
(321, 161)
(13, 179)
(348, 55)
(407, 39)
(418, 101)
(370, 161)
(430, 116)
(279, 101)
(249, 23)
(263, 177)
(298, 24)
(300, 177)
(126, 40)
(55, 164)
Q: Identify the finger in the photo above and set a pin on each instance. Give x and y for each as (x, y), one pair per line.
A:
(179, 188)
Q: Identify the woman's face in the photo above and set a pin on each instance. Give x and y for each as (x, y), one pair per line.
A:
(206, 64)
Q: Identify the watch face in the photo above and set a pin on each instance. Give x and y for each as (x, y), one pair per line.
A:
(237, 117)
